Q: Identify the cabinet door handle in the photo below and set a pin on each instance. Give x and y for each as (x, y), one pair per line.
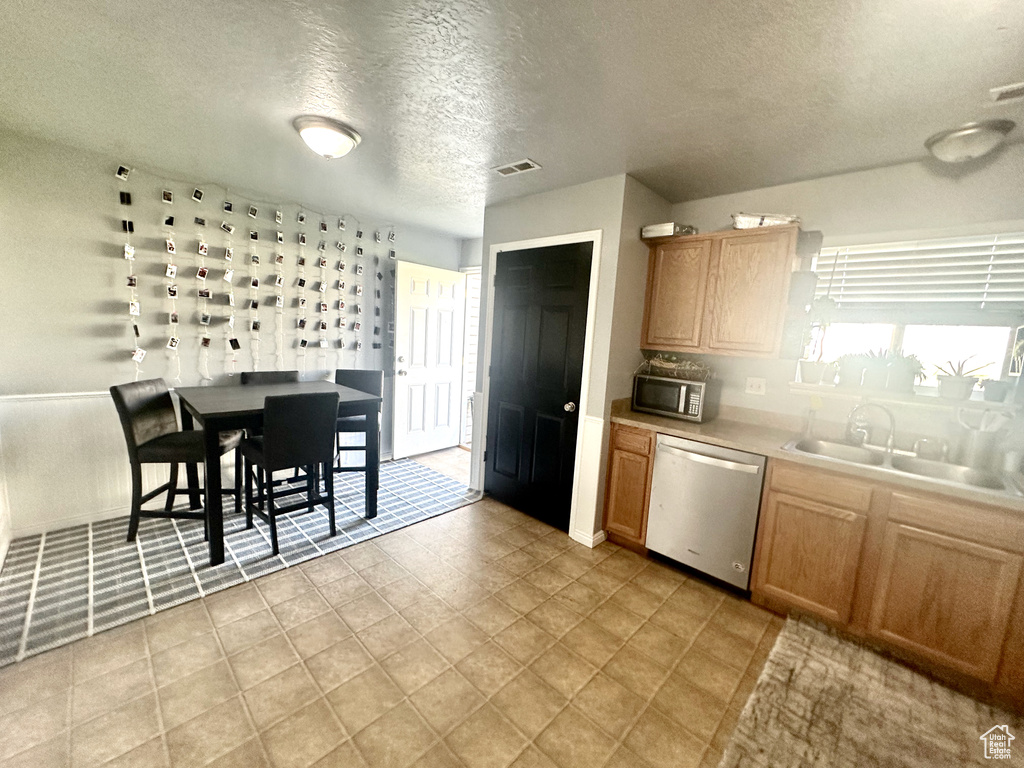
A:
(735, 466)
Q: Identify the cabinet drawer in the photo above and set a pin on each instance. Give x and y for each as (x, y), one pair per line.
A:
(633, 440)
(822, 487)
(991, 527)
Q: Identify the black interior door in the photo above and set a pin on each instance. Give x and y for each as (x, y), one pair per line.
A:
(540, 320)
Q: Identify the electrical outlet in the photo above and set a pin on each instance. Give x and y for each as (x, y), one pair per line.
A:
(756, 386)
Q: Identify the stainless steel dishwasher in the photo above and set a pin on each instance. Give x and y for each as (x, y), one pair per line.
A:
(704, 506)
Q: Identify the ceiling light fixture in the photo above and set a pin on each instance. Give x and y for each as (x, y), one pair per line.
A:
(328, 138)
(968, 142)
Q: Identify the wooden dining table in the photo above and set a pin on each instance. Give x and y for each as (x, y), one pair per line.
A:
(223, 408)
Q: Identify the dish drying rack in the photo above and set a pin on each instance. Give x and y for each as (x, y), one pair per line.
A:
(687, 370)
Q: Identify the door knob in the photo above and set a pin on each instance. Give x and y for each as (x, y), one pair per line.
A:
(403, 373)
(570, 407)
(401, 358)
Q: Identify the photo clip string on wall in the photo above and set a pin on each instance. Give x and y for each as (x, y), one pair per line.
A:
(279, 295)
(131, 279)
(254, 298)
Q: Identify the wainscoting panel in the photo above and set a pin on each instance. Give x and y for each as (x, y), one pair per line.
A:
(65, 461)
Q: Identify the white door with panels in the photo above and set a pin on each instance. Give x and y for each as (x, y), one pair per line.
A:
(429, 321)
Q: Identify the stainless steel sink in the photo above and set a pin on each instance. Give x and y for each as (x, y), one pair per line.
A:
(905, 464)
(840, 451)
(950, 472)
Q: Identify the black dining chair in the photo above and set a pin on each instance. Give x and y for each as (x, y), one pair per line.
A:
(372, 383)
(269, 377)
(151, 430)
(298, 431)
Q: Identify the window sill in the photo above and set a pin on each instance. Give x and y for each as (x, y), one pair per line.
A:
(923, 397)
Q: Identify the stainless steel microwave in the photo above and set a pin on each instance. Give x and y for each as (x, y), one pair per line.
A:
(676, 398)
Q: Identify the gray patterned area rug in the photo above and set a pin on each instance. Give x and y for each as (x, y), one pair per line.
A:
(825, 701)
(67, 584)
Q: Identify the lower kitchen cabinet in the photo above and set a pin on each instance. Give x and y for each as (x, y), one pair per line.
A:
(935, 579)
(630, 463)
(809, 555)
(945, 599)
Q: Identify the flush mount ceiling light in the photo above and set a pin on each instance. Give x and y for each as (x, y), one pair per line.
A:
(970, 141)
(328, 138)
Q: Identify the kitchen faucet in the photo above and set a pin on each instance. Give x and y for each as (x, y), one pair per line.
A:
(858, 431)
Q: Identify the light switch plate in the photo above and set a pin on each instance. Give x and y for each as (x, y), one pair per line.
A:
(756, 386)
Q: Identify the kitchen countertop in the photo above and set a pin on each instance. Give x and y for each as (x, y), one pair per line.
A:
(769, 441)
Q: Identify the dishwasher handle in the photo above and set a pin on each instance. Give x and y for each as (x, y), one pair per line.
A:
(735, 466)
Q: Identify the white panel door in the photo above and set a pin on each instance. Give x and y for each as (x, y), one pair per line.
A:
(429, 320)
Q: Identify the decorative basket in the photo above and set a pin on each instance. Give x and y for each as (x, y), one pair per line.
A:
(754, 220)
(687, 370)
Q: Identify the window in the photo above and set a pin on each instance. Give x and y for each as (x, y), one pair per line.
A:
(943, 300)
(944, 344)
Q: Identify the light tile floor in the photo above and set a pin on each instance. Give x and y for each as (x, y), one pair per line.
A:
(453, 462)
(481, 638)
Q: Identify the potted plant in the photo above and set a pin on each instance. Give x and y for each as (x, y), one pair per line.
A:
(812, 371)
(996, 390)
(851, 369)
(904, 372)
(956, 381)
(876, 370)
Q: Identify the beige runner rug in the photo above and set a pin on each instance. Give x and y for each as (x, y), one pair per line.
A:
(825, 701)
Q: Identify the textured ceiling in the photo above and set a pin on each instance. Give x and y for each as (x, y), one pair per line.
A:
(694, 98)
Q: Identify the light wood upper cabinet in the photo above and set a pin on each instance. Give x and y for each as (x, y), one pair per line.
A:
(724, 292)
(677, 280)
(630, 463)
(808, 556)
(944, 598)
(749, 287)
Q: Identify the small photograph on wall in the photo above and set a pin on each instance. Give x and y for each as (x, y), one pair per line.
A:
(167, 196)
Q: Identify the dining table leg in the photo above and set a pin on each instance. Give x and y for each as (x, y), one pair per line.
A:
(214, 503)
(195, 499)
(372, 461)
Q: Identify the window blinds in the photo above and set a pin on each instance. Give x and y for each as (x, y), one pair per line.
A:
(980, 274)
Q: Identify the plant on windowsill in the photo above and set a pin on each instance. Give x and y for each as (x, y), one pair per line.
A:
(876, 369)
(904, 373)
(851, 369)
(956, 381)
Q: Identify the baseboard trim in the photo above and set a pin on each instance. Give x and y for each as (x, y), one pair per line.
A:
(588, 539)
(72, 521)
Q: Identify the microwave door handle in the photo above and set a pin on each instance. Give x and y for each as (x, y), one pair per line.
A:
(735, 466)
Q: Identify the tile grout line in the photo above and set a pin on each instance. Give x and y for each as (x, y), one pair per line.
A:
(156, 700)
(188, 559)
(31, 599)
(90, 617)
(258, 734)
(145, 575)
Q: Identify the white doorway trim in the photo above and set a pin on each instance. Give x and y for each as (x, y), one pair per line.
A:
(480, 423)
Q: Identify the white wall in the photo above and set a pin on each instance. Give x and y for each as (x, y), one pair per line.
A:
(618, 206)
(63, 308)
(472, 253)
(581, 208)
(908, 201)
